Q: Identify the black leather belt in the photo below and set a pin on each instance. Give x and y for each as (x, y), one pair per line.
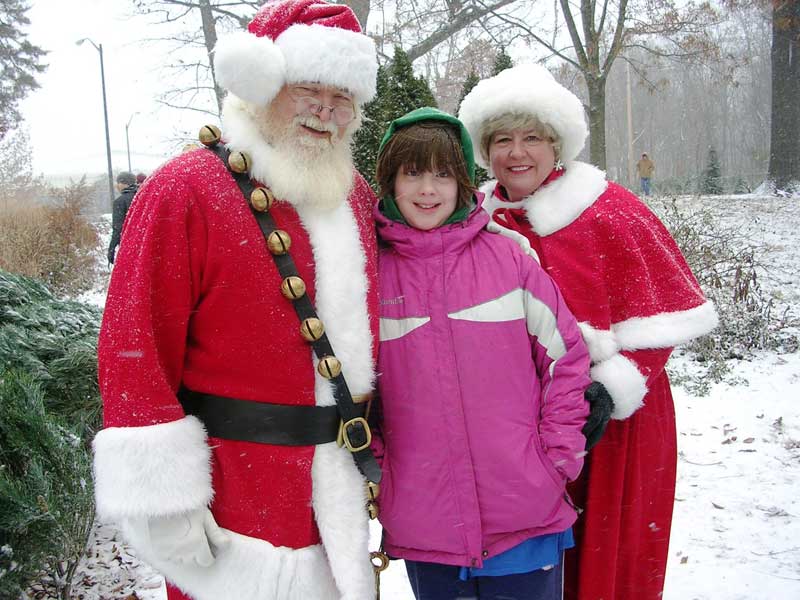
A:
(264, 423)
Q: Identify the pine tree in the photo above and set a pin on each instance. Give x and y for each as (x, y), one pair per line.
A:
(501, 62)
(368, 137)
(481, 175)
(470, 82)
(711, 184)
(398, 91)
(20, 61)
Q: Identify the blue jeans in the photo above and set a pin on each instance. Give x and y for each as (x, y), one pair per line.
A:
(431, 581)
(645, 186)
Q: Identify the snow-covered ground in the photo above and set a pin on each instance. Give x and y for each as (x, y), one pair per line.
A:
(736, 529)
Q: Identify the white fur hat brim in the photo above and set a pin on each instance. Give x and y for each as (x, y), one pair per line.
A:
(530, 90)
(255, 68)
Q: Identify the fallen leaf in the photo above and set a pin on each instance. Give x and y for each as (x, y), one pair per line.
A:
(748, 440)
(684, 560)
(715, 505)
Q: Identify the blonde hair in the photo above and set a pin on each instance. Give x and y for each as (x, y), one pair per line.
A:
(517, 120)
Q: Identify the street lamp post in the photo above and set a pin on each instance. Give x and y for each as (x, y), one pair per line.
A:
(99, 48)
(127, 141)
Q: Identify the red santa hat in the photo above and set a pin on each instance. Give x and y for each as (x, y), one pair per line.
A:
(529, 90)
(294, 41)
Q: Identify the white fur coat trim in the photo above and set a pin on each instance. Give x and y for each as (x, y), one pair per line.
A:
(560, 202)
(666, 329)
(330, 55)
(338, 489)
(153, 470)
(249, 569)
(624, 382)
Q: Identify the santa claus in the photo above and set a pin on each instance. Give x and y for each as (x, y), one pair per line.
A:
(219, 456)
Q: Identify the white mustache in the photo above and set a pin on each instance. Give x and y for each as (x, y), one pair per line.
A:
(315, 123)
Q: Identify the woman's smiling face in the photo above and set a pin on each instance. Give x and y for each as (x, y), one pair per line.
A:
(521, 160)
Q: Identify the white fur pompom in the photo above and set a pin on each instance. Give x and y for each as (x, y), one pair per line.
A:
(252, 68)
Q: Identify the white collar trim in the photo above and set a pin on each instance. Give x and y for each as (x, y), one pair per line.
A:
(559, 203)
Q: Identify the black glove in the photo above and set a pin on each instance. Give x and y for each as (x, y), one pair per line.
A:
(600, 408)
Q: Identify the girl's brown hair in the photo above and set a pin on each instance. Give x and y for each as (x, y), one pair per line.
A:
(429, 145)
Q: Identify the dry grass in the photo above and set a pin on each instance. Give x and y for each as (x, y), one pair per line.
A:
(53, 243)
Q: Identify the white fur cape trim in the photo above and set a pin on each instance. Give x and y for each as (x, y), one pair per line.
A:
(251, 67)
(666, 329)
(558, 203)
(531, 90)
(331, 56)
(248, 568)
(338, 489)
(153, 470)
(624, 382)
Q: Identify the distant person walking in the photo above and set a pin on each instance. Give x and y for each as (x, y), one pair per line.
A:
(126, 186)
(140, 177)
(645, 168)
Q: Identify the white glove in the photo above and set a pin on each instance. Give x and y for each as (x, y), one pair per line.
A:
(187, 538)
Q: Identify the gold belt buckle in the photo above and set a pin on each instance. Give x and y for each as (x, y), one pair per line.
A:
(343, 438)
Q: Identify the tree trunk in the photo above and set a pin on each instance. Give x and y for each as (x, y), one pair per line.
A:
(597, 120)
(784, 156)
(210, 39)
(361, 10)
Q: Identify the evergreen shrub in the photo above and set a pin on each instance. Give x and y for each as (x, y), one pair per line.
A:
(50, 407)
(46, 503)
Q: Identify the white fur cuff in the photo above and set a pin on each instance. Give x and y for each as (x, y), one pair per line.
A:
(154, 470)
(624, 382)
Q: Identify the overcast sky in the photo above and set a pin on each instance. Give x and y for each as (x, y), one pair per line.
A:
(65, 116)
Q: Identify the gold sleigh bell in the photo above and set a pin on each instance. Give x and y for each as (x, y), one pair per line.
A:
(239, 162)
(293, 287)
(329, 367)
(210, 135)
(261, 198)
(279, 242)
(312, 329)
(373, 490)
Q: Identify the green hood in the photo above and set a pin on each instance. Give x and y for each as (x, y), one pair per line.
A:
(426, 113)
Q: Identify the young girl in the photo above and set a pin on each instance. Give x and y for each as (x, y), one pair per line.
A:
(482, 372)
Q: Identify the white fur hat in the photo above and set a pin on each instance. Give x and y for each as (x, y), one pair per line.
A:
(531, 90)
(294, 41)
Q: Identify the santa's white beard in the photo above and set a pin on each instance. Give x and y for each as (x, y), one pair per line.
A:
(305, 170)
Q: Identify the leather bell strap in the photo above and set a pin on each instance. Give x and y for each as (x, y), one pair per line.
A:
(357, 433)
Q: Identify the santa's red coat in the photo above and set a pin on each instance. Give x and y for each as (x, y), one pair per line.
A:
(629, 286)
(195, 300)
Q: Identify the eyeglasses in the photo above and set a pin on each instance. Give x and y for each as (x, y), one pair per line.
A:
(342, 110)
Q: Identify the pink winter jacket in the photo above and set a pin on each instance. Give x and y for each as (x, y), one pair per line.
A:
(481, 373)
